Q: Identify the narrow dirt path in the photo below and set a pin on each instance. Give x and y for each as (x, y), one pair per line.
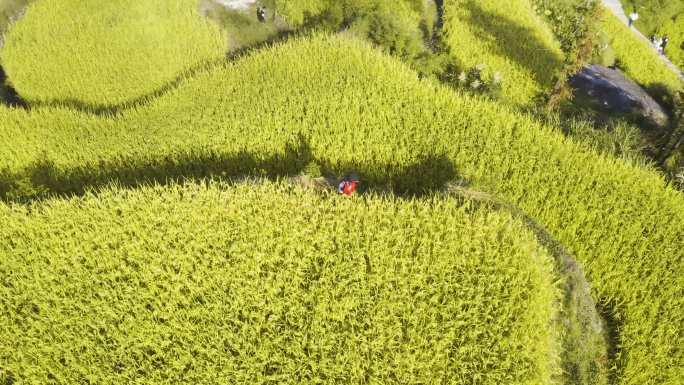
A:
(615, 6)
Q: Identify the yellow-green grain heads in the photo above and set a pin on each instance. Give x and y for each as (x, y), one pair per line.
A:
(264, 283)
(343, 106)
(103, 53)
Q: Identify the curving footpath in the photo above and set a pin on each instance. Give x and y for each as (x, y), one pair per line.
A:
(615, 6)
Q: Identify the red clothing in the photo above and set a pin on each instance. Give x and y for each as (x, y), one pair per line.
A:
(347, 187)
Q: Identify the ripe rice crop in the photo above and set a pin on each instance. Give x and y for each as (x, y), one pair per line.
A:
(508, 38)
(105, 53)
(269, 283)
(296, 11)
(337, 102)
(637, 57)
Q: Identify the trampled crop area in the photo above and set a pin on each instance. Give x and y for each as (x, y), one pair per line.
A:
(266, 283)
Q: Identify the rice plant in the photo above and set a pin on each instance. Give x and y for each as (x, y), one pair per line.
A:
(342, 105)
(674, 30)
(508, 39)
(638, 59)
(106, 52)
(269, 283)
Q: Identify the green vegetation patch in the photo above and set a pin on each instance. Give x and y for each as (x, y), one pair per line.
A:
(637, 58)
(674, 29)
(653, 13)
(406, 28)
(106, 52)
(340, 104)
(298, 12)
(507, 38)
(270, 283)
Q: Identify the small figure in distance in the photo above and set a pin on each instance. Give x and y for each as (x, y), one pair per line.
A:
(658, 44)
(633, 17)
(261, 14)
(348, 185)
(663, 44)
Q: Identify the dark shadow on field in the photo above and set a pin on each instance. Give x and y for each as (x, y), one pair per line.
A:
(8, 95)
(615, 355)
(280, 37)
(439, 23)
(433, 37)
(662, 93)
(586, 343)
(664, 141)
(428, 174)
(44, 178)
(512, 40)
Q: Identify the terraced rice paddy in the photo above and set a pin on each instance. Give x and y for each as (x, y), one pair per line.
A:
(98, 54)
(509, 40)
(112, 285)
(263, 283)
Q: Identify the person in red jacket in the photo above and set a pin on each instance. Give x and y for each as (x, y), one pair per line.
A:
(348, 186)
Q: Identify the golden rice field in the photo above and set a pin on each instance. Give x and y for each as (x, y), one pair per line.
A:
(509, 39)
(674, 29)
(620, 220)
(637, 57)
(120, 263)
(270, 283)
(103, 53)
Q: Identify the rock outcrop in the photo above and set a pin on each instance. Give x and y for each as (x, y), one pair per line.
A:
(610, 91)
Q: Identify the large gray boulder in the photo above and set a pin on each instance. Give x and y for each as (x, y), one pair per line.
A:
(610, 91)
